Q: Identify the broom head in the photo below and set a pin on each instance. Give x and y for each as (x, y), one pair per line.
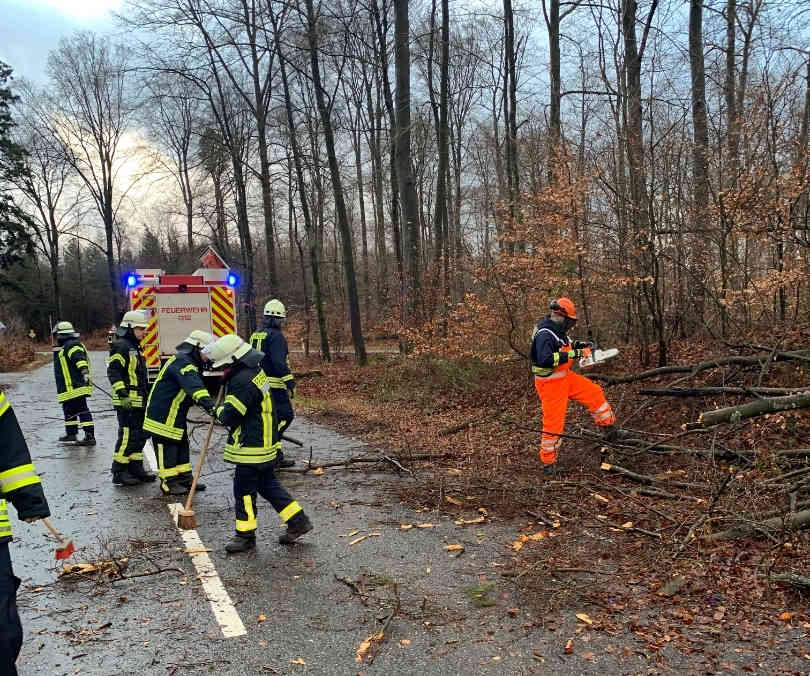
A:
(185, 520)
(65, 550)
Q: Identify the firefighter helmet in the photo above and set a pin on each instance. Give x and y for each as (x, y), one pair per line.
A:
(226, 350)
(196, 339)
(134, 319)
(64, 329)
(565, 306)
(275, 308)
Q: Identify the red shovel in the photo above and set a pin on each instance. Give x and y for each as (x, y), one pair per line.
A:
(65, 548)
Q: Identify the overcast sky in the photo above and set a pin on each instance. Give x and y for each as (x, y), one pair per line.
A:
(29, 29)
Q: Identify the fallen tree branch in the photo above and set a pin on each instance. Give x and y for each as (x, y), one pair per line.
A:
(312, 466)
(694, 369)
(788, 522)
(647, 479)
(703, 517)
(711, 391)
(732, 414)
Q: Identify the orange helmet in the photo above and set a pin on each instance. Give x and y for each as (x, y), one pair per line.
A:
(565, 306)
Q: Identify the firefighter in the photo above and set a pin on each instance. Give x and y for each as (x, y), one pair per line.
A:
(276, 364)
(247, 411)
(552, 355)
(178, 386)
(20, 484)
(71, 368)
(126, 370)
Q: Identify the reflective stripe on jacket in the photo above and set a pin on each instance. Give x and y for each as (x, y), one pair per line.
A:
(68, 361)
(126, 370)
(19, 482)
(276, 362)
(548, 339)
(248, 412)
(176, 388)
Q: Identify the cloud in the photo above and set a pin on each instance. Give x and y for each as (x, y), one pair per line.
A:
(32, 28)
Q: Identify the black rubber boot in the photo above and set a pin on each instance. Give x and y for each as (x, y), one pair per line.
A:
(295, 529)
(89, 440)
(68, 438)
(136, 469)
(240, 543)
(173, 488)
(124, 478)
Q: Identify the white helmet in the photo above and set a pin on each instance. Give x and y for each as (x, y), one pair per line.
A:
(134, 319)
(225, 350)
(64, 329)
(275, 308)
(198, 339)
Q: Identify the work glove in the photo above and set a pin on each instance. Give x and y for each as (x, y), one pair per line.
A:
(126, 403)
(582, 344)
(86, 376)
(207, 405)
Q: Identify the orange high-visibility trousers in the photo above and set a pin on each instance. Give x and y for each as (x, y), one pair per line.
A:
(554, 392)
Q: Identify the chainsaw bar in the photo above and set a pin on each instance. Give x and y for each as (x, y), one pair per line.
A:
(597, 357)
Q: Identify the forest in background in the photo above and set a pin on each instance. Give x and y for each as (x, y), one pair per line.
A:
(426, 171)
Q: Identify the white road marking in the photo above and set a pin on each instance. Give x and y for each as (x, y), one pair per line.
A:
(224, 610)
(149, 456)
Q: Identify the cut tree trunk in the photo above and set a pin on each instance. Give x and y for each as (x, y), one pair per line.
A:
(710, 391)
(777, 523)
(732, 414)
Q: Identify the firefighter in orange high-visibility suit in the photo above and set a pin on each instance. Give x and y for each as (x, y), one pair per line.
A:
(552, 356)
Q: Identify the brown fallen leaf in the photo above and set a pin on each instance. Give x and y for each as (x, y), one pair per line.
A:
(364, 651)
(584, 617)
(589, 656)
(405, 526)
(453, 501)
(404, 642)
(605, 466)
(426, 525)
(261, 618)
(569, 646)
(786, 615)
(465, 522)
(298, 661)
(627, 524)
(317, 471)
(454, 548)
(600, 498)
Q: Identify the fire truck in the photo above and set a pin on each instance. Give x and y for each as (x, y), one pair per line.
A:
(180, 304)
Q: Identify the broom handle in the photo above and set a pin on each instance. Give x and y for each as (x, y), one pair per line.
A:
(53, 530)
(193, 488)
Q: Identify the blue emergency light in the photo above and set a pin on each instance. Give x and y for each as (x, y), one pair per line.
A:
(132, 280)
(233, 279)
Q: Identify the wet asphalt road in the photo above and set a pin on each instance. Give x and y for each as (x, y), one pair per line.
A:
(306, 608)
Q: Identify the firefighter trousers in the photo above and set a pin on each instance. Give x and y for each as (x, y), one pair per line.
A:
(11, 633)
(248, 481)
(78, 416)
(173, 460)
(554, 393)
(131, 438)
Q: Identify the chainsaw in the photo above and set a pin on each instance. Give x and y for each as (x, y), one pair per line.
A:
(597, 357)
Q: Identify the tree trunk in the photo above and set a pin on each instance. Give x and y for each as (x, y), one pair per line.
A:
(752, 409)
(337, 189)
(407, 185)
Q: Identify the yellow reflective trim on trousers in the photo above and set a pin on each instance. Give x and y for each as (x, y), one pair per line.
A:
(137, 455)
(248, 455)
(17, 477)
(290, 511)
(4, 403)
(74, 393)
(251, 523)
(189, 367)
(185, 468)
(119, 456)
(238, 405)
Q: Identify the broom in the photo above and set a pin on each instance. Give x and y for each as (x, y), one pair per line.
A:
(185, 518)
(65, 548)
